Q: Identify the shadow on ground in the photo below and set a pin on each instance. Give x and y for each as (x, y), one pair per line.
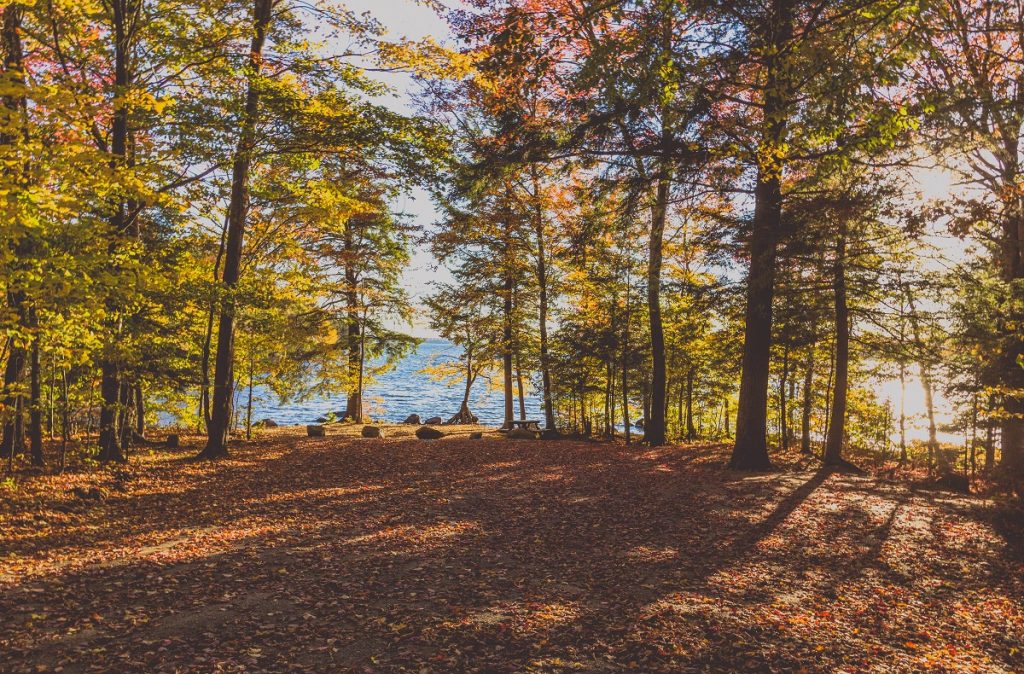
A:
(463, 555)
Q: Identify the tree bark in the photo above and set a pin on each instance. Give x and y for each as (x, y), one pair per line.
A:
(750, 451)
(625, 367)
(808, 402)
(926, 381)
(609, 415)
(204, 392)
(783, 403)
(520, 389)
(1012, 353)
(542, 288)
(828, 388)
(124, 12)
(223, 379)
(65, 418)
(140, 411)
(654, 418)
(35, 409)
(689, 405)
(464, 415)
(15, 104)
(354, 405)
(903, 413)
(50, 410)
(12, 379)
(837, 427)
(507, 351)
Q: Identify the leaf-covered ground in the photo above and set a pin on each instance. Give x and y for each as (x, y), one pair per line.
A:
(398, 555)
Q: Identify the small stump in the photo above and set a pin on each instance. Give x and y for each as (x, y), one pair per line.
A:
(315, 431)
(173, 441)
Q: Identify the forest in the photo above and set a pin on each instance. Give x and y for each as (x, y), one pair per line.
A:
(761, 262)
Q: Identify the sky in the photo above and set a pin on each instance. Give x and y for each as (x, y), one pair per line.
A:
(414, 21)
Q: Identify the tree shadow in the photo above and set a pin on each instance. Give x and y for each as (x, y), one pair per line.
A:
(469, 555)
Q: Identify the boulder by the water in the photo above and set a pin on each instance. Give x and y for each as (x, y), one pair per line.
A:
(412, 419)
(373, 432)
(315, 431)
(265, 423)
(476, 435)
(428, 433)
(521, 434)
(639, 423)
(433, 420)
(173, 441)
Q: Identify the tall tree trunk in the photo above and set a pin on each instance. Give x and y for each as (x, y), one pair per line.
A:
(808, 402)
(124, 14)
(204, 368)
(625, 361)
(783, 403)
(542, 289)
(248, 405)
(362, 367)
(464, 415)
(354, 405)
(789, 407)
(110, 389)
(507, 352)
(124, 405)
(903, 413)
(223, 379)
(609, 415)
(15, 104)
(35, 410)
(65, 418)
(140, 411)
(828, 388)
(929, 406)
(725, 417)
(12, 380)
(751, 449)
(50, 410)
(926, 380)
(1011, 357)
(654, 417)
(837, 427)
(689, 405)
(612, 409)
(974, 435)
(990, 444)
(521, 389)
(645, 399)
(680, 417)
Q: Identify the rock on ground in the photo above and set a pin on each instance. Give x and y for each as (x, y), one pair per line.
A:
(428, 433)
(372, 432)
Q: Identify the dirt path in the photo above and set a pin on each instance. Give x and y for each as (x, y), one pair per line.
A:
(343, 554)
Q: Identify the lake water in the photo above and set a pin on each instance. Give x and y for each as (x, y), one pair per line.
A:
(398, 393)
